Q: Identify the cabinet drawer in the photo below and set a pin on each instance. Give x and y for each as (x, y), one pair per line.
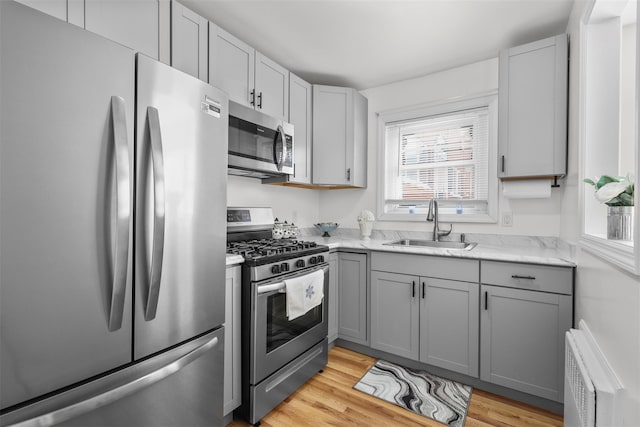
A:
(466, 270)
(528, 276)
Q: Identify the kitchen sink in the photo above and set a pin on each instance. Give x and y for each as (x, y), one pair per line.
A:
(447, 244)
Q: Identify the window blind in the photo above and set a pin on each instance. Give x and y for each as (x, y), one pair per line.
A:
(443, 156)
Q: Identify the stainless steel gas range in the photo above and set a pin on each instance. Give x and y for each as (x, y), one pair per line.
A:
(278, 354)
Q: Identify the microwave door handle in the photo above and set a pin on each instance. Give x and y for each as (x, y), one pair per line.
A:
(279, 156)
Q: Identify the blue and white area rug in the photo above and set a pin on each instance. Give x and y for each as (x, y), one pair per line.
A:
(418, 391)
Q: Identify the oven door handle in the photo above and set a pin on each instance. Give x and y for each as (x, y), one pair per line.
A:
(280, 286)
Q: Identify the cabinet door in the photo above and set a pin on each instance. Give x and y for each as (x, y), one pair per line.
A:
(232, 340)
(522, 343)
(71, 11)
(352, 297)
(395, 313)
(133, 24)
(300, 118)
(231, 65)
(332, 111)
(333, 297)
(272, 87)
(189, 44)
(449, 324)
(533, 109)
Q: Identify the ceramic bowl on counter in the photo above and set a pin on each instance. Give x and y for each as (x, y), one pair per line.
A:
(326, 227)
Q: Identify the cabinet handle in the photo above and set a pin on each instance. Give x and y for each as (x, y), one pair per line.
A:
(413, 290)
(349, 174)
(486, 300)
(515, 276)
(253, 97)
(423, 290)
(502, 164)
(260, 100)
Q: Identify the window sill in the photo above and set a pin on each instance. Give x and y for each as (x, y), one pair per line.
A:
(618, 253)
(443, 218)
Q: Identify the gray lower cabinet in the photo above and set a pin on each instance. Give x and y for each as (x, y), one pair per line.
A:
(449, 325)
(395, 313)
(525, 312)
(428, 319)
(352, 297)
(333, 297)
(232, 396)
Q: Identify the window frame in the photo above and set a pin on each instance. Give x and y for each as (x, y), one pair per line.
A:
(625, 255)
(442, 107)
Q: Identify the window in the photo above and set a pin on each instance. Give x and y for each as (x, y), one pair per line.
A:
(442, 151)
(608, 120)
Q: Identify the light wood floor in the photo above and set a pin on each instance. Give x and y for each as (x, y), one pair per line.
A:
(328, 399)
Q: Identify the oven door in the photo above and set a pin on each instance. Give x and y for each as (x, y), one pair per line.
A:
(276, 339)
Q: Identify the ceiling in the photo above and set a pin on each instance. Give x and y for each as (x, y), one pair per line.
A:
(369, 43)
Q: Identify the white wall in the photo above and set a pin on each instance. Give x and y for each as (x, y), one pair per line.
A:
(540, 217)
(291, 204)
(607, 298)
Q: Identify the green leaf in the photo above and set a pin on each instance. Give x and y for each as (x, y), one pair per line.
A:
(605, 179)
(589, 181)
(626, 199)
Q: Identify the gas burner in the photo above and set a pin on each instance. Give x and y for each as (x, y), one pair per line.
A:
(268, 249)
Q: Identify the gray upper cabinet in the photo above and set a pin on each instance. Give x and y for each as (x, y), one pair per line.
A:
(339, 137)
(142, 25)
(524, 316)
(532, 129)
(189, 41)
(431, 319)
(249, 77)
(271, 87)
(71, 11)
(352, 297)
(231, 65)
(300, 116)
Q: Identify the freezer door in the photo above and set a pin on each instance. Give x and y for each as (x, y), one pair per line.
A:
(181, 144)
(180, 387)
(66, 184)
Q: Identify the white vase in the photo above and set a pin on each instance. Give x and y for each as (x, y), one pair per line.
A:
(365, 229)
(620, 222)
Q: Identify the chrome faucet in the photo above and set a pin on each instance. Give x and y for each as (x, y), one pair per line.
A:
(432, 215)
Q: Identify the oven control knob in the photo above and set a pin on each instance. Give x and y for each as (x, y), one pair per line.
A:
(300, 263)
(320, 258)
(284, 267)
(275, 269)
(312, 260)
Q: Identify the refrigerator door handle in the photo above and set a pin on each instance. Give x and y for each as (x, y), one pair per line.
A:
(123, 212)
(113, 395)
(157, 248)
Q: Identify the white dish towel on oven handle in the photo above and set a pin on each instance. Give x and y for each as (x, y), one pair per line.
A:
(304, 293)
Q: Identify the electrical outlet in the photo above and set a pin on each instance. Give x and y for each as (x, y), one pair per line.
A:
(507, 219)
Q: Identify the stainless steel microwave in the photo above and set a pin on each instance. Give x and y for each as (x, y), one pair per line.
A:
(260, 146)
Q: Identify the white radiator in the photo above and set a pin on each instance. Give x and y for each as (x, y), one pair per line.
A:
(591, 389)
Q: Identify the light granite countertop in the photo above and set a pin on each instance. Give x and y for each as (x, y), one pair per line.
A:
(525, 249)
(234, 259)
(494, 247)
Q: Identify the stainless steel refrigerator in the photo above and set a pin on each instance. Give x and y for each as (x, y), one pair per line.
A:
(112, 232)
